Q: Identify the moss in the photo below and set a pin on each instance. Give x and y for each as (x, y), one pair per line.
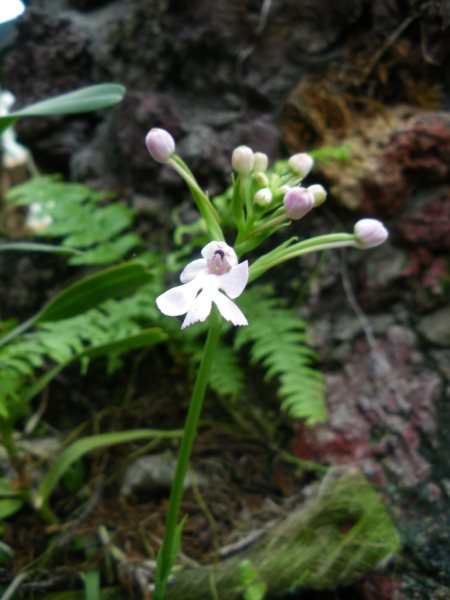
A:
(340, 534)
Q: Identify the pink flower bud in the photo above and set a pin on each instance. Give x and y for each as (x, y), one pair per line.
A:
(370, 233)
(160, 144)
(243, 159)
(319, 193)
(297, 202)
(263, 197)
(301, 164)
(261, 161)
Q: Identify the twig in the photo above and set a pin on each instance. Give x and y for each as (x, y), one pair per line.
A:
(385, 47)
(262, 22)
(204, 508)
(244, 542)
(379, 358)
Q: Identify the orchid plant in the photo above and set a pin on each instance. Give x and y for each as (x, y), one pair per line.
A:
(260, 204)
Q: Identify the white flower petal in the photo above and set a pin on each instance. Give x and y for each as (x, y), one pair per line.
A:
(229, 310)
(193, 269)
(230, 255)
(234, 282)
(199, 310)
(178, 300)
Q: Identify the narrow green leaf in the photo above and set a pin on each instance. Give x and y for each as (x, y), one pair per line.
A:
(87, 99)
(32, 247)
(6, 489)
(10, 506)
(143, 339)
(6, 122)
(81, 447)
(91, 581)
(114, 282)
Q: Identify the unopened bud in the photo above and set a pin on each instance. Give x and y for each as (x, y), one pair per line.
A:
(319, 193)
(261, 161)
(284, 189)
(243, 159)
(370, 233)
(301, 164)
(263, 197)
(160, 144)
(260, 179)
(297, 202)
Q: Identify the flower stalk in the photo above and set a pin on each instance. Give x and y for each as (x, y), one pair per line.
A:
(204, 205)
(259, 204)
(166, 555)
(288, 251)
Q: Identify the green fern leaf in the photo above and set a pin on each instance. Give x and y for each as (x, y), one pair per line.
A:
(277, 339)
(77, 218)
(226, 377)
(60, 341)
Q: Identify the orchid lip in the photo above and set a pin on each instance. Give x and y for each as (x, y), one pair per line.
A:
(217, 278)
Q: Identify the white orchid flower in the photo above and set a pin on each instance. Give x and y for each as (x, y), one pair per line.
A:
(202, 281)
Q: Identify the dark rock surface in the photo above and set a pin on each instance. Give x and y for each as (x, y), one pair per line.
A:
(372, 74)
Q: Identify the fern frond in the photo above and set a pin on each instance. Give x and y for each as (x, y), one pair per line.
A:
(278, 341)
(226, 377)
(77, 218)
(59, 342)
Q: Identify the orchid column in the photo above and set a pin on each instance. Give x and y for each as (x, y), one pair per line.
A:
(260, 203)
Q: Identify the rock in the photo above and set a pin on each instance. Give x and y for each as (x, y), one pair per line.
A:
(379, 406)
(442, 358)
(426, 220)
(435, 327)
(134, 117)
(417, 155)
(51, 57)
(87, 5)
(152, 475)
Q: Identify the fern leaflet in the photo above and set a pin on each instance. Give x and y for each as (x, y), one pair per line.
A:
(278, 339)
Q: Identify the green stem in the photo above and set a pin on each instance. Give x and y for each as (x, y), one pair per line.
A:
(316, 244)
(204, 205)
(271, 223)
(18, 330)
(166, 557)
(7, 438)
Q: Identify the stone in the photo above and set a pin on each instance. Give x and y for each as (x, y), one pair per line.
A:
(380, 405)
(435, 327)
(152, 474)
(426, 220)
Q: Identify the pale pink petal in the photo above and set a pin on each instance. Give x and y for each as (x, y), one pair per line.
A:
(178, 300)
(230, 255)
(193, 269)
(199, 310)
(234, 282)
(229, 310)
